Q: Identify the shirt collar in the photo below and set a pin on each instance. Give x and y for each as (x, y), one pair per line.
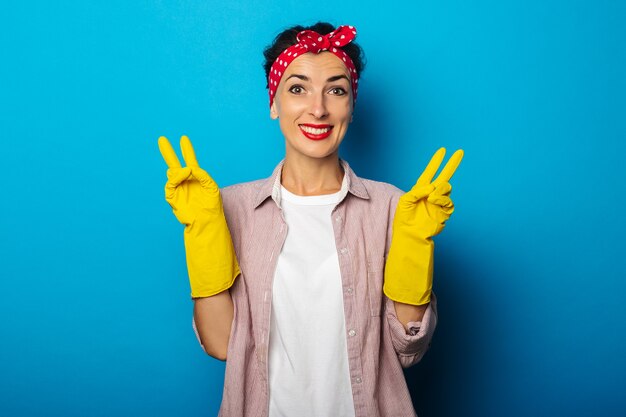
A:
(270, 187)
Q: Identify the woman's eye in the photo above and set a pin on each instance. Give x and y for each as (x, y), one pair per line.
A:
(338, 91)
(296, 89)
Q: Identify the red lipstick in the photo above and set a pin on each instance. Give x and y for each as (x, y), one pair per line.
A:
(316, 132)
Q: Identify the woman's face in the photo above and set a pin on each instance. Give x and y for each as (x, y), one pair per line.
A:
(313, 104)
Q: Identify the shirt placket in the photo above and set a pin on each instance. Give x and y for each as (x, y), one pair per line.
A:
(350, 310)
(277, 244)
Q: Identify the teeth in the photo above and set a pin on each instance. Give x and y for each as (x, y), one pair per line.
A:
(313, 130)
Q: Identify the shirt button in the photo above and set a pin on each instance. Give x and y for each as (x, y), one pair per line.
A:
(352, 332)
(344, 250)
(338, 219)
(349, 290)
(358, 380)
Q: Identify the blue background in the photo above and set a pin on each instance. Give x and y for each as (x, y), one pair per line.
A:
(96, 314)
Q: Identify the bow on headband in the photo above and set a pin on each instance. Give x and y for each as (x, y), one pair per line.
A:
(316, 43)
(311, 41)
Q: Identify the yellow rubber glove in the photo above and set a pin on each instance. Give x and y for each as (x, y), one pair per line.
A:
(196, 202)
(420, 215)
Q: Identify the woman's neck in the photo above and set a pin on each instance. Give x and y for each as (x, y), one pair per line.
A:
(312, 176)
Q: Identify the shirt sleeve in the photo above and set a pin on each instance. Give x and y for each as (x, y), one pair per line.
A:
(411, 347)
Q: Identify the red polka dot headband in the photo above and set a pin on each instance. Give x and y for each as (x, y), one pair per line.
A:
(311, 41)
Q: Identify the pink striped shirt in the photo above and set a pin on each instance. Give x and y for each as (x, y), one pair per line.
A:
(378, 344)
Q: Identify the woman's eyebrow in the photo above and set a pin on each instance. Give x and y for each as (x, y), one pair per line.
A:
(336, 77)
(302, 77)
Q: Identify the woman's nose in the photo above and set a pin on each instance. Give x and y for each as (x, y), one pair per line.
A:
(318, 106)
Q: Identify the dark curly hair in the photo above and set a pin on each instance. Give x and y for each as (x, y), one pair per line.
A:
(287, 38)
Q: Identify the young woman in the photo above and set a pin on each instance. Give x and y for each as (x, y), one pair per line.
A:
(315, 285)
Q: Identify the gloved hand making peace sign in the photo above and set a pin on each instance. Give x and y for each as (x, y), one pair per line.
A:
(421, 214)
(196, 202)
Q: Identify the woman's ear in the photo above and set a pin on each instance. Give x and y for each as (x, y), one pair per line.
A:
(273, 112)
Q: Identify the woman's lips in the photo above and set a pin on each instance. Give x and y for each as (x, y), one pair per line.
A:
(315, 132)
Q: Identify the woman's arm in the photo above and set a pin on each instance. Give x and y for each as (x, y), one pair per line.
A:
(214, 317)
(411, 346)
(408, 312)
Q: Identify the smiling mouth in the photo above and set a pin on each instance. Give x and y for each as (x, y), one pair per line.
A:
(316, 132)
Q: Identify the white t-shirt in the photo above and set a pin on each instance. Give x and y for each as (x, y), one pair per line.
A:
(308, 357)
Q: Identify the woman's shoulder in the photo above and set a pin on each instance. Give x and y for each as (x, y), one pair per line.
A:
(380, 189)
(243, 187)
(243, 193)
(381, 200)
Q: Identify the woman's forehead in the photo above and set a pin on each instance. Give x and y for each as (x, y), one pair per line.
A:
(320, 66)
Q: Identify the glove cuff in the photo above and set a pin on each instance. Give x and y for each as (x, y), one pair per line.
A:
(409, 271)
